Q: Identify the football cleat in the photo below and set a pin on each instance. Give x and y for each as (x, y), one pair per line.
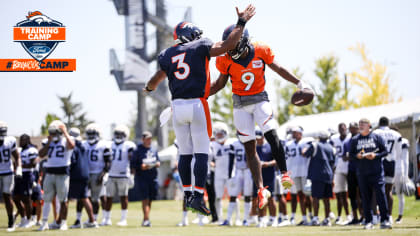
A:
(225, 223)
(386, 225)
(122, 223)
(198, 206)
(106, 222)
(326, 222)
(76, 225)
(146, 223)
(263, 195)
(90, 225)
(368, 226)
(286, 181)
(182, 224)
(44, 226)
(398, 220)
(54, 225)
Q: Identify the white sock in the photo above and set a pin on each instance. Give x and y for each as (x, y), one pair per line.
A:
(46, 211)
(231, 208)
(63, 222)
(401, 202)
(390, 219)
(272, 218)
(237, 210)
(281, 215)
(200, 218)
(255, 218)
(293, 215)
(124, 214)
(79, 216)
(310, 215)
(95, 217)
(185, 216)
(107, 215)
(315, 218)
(247, 209)
(219, 208)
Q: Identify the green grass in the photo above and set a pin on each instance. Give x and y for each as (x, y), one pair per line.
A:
(166, 214)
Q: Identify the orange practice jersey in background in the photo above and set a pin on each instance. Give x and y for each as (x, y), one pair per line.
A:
(247, 80)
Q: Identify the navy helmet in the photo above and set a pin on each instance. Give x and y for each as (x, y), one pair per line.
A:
(242, 45)
(185, 32)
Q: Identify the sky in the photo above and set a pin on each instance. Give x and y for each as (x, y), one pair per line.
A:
(298, 31)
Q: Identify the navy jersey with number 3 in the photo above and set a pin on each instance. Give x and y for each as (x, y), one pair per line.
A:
(186, 66)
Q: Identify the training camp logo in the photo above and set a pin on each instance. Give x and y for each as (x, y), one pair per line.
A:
(39, 35)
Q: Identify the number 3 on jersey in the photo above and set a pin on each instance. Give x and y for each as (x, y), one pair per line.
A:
(181, 64)
(248, 78)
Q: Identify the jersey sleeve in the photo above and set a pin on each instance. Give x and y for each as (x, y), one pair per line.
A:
(12, 144)
(266, 53)
(162, 61)
(205, 47)
(33, 153)
(222, 65)
(131, 147)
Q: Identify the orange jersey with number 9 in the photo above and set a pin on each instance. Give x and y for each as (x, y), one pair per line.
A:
(247, 75)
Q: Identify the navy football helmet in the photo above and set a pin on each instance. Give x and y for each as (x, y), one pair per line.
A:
(242, 45)
(185, 32)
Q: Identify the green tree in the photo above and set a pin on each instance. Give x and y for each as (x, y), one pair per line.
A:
(373, 80)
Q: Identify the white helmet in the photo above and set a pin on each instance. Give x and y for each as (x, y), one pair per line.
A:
(93, 133)
(220, 132)
(54, 130)
(121, 133)
(3, 130)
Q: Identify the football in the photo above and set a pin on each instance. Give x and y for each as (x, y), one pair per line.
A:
(302, 97)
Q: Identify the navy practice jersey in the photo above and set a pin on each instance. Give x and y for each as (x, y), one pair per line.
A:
(369, 143)
(79, 167)
(321, 162)
(264, 152)
(187, 68)
(147, 156)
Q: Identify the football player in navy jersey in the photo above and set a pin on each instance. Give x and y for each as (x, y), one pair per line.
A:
(368, 149)
(186, 66)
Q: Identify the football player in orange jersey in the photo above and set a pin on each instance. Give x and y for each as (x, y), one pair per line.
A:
(245, 66)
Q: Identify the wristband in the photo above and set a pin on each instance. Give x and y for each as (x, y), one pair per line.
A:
(241, 22)
(148, 90)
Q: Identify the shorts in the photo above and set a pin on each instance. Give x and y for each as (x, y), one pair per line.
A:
(340, 183)
(278, 186)
(7, 182)
(245, 118)
(95, 189)
(55, 184)
(298, 184)
(321, 189)
(219, 186)
(148, 189)
(389, 171)
(24, 185)
(78, 189)
(241, 183)
(36, 193)
(117, 186)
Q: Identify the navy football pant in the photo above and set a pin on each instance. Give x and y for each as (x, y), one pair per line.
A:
(368, 184)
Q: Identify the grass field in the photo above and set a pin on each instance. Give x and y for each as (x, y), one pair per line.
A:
(166, 214)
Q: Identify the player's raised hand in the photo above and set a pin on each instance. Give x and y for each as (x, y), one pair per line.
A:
(246, 14)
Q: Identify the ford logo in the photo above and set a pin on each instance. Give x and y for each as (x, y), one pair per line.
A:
(39, 49)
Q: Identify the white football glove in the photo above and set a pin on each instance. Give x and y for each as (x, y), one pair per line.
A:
(19, 171)
(302, 85)
(131, 181)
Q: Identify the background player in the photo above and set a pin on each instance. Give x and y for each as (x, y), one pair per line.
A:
(23, 186)
(340, 172)
(186, 65)
(120, 177)
(223, 163)
(7, 168)
(401, 176)
(58, 150)
(393, 143)
(245, 66)
(99, 154)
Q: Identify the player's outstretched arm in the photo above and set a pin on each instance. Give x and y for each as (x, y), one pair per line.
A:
(156, 79)
(285, 74)
(218, 84)
(230, 43)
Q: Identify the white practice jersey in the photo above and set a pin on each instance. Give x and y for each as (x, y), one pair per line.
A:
(341, 166)
(393, 142)
(120, 161)
(297, 164)
(401, 163)
(96, 153)
(27, 155)
(58, 155)
(6, 162)
(221, 158)
(238, 150)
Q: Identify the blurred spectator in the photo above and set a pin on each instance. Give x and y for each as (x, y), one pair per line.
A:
(144, 164)
(320, 172)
